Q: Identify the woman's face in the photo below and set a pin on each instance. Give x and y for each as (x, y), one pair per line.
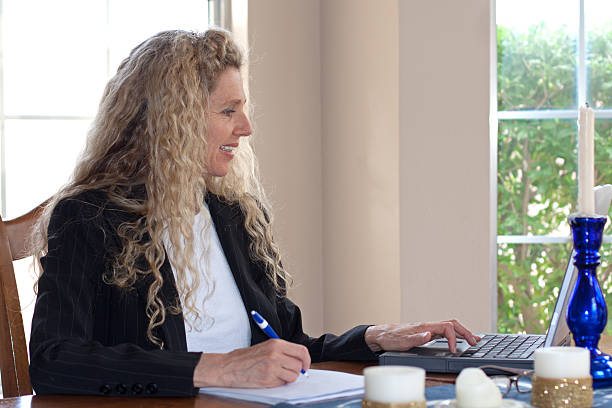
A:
(227, 122)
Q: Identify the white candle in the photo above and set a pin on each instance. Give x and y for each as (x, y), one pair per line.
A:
(562, 362)
(475, 390)
(394, 384)
(586, 152)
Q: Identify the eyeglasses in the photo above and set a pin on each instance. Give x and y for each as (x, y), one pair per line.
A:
(505, 383)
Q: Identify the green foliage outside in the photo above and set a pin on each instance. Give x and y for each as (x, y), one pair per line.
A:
(537, 160)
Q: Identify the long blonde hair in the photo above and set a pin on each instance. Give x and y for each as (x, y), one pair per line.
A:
(148, 131)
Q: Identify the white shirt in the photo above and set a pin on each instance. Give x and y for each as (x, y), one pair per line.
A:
(225, 324)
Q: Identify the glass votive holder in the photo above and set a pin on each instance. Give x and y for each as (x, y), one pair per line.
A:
(562, 378)
(394, 387)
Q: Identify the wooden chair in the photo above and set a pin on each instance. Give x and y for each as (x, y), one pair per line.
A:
(14, 236)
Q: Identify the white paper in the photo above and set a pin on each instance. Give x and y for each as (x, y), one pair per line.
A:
(320, 385)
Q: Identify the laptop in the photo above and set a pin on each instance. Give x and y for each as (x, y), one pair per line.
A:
(508, 350)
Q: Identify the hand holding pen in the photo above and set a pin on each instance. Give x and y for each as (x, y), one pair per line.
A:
(267, 364)
(266, 328)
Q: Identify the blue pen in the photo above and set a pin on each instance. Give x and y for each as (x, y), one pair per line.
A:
(263, 325)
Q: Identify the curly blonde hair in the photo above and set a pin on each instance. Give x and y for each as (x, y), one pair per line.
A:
(148, 131)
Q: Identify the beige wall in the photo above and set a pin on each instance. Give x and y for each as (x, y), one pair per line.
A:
(444, 170)
(372, 117)
(359, 55)
(284, 38)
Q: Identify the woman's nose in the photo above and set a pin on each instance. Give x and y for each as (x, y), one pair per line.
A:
(244, 128)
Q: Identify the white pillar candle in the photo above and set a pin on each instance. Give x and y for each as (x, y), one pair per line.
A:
(586, 153)
(562, 362)
(394, 384)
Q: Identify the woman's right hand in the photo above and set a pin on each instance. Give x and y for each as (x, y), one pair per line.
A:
(268, 364)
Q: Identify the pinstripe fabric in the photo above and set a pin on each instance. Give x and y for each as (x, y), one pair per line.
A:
(90, 338)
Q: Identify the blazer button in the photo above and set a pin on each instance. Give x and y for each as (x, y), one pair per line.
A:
(151, 388)
(121, 388)
(137, 388)
(105, 389)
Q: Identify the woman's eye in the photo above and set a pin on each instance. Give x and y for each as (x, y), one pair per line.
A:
(228, 112)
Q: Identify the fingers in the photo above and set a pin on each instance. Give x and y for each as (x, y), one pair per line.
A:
(297, 352)
(451, 329)
(283, 361)
(288, 376)
(449, 333)
(464, 333)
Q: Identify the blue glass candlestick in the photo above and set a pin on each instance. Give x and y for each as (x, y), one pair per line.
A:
(587, 313)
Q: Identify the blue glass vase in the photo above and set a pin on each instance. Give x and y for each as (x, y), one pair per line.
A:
(587, 313)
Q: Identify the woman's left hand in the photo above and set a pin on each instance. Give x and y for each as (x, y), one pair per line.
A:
(404, 336)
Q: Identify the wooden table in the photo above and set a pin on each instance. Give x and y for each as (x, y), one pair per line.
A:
(201, 401)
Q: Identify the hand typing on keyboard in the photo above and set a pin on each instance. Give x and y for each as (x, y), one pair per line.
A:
(514, 346)
(404, 336)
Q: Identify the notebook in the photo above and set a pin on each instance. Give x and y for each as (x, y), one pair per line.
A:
(320, 385)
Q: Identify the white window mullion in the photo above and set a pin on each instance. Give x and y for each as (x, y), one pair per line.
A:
(539, 114)
(539, 239)
(550, 114)
(531, 239)
(2, 139)
(47, 117)
(493, 135)
(108, 40)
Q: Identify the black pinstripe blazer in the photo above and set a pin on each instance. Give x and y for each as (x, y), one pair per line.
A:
(89, 337)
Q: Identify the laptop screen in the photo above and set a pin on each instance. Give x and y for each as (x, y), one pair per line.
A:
(558, 333)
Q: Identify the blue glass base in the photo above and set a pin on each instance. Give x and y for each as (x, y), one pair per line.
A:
(601, 369)
(587, 313)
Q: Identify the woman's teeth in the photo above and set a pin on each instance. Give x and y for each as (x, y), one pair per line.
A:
(227, 148)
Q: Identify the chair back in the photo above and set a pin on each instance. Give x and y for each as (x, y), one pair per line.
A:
(14, 237)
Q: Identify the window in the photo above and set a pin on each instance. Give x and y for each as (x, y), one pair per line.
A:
(548, 63)
(57, 57)
(56, 63)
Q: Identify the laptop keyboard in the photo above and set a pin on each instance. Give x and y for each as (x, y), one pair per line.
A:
(505, 346)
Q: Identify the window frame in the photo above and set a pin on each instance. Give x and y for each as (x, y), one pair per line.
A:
(495, 118)
(538, 115)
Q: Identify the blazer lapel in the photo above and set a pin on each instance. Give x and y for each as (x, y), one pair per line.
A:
(173, 328)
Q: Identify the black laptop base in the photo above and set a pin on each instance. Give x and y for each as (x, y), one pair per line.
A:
(449, 364)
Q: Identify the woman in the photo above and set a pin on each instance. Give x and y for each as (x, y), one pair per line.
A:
(161, 243)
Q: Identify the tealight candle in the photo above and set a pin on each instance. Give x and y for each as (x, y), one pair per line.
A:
(562, 362)
(394, 384)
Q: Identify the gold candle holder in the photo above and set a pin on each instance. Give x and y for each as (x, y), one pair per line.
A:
(374, 404)
(561, 392)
